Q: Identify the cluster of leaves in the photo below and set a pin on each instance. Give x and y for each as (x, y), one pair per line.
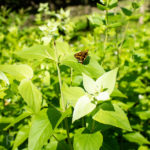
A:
(50, 101)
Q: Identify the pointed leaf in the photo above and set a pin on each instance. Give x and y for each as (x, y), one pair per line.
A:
(117, 93)
(113, 3)
(19, 118)
(40, 132)
(101, 7)
(89, 84)
(37, 52)
(115, 117)
(22, 135)
(31, 95)
(4, 78)
(82, 107)
(19, 72)
(72, 94)
(107, 81)
(92, 69)
(126, 11)
(136, 137)
(43, 126)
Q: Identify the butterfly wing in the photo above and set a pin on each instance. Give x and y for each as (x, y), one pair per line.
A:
(81, 56)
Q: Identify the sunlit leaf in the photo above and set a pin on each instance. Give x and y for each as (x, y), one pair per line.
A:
(112, 115)
(37, 52)
(107, 81)
(89, 84)
(31, 95)
(19, 72)
(87, 141)
(83, 107)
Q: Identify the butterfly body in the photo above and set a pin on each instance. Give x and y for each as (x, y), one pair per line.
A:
(81, 56)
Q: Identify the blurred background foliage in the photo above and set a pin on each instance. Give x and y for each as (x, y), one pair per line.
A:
(32, 5)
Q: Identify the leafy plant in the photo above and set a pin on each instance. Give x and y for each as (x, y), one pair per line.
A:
(48, 100)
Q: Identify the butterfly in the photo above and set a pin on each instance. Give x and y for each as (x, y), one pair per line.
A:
(81, 56)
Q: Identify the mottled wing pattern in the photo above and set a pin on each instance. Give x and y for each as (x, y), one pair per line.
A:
(81, 56)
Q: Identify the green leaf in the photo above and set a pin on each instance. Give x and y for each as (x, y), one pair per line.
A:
(144, 115)
(126, 11)
(19, 118)
(31, 95)
(112, 115)
(55, 145)
(62, 47)
(88, 141)
(19, 72)
(4, 78)
(115, 25)
(117, 93)
(135, 5)
(72, 94)
(22, 135)
(142, 147)
(89, 84)
(37, 52)
(6, 119)
(113, 3)
(107, 80)
(101, 7)
(41, 130)
(136, 137)
(43, 126)
(95, 20)
(83, 107)
(92, 69)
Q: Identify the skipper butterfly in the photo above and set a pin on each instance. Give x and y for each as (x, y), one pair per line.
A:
(81, 56)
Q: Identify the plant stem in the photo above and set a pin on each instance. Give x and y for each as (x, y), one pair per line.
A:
(62, 98)
(93, 125)
(106, 31)
(83, 122)
(68, 136)
(71, 74)
(59, 78)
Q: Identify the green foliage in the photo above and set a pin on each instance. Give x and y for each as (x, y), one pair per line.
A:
(50, 101)
(88, 141)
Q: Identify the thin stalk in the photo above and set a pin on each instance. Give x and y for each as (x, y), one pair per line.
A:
(106, 31)
(124, 35)
(59, 78)
(71, 74)
(68, 136)
(93, 125)
(62, 98)
(83, 122)
(121, 44)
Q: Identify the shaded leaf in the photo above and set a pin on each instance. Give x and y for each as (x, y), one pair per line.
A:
(136, 137)
(19, 118)
(22, 135)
